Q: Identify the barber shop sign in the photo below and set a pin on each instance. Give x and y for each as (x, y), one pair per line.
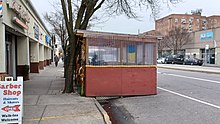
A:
(11, 100)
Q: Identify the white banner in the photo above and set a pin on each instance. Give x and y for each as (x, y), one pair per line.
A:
(11, 100)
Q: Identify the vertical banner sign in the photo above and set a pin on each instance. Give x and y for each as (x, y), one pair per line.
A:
(1, 14)
(131, 53)
(11, 101)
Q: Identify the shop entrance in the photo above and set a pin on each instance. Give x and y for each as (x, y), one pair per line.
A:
(10, 55)
(208, 55)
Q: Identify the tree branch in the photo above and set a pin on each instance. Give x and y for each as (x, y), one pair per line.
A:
(70, 16)
(99, 6)
(63, 3)
(80, 14)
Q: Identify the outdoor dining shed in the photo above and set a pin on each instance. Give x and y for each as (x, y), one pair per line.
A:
(118, 64)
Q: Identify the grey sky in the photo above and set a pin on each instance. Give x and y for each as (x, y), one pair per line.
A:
(122, 24)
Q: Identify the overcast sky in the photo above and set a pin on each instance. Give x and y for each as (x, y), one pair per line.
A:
(122, 24)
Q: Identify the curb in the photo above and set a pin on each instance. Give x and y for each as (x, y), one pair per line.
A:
(103, 112)
(203, 71)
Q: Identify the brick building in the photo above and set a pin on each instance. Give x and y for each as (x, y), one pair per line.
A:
(191, 22)
(205, 32)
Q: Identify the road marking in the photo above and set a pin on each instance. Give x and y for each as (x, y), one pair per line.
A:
(188, 97)
(217, 82)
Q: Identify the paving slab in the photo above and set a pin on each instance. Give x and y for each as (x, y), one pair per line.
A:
(71, 110)
(54, 92)
(32, 91)
(31, 122)
(73, 120)
(62, 99)
(32, 112)
(57, 85)
(31, 99)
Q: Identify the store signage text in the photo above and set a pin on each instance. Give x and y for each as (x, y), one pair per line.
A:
(48, 39)
(20, 10)
(206, 36)
(20, 23)
(11, 101)
(36, 31)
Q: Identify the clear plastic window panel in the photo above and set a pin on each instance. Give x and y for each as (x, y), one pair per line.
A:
(103, 52)
(149, 53)
(111, 51)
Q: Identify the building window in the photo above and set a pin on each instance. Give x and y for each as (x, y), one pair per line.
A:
(176, 20)
(182, 26)
(190, 26)
(204, 21)
(183, 20)
(190, 20)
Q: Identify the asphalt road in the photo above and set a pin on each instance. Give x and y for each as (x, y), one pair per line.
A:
(183, 98)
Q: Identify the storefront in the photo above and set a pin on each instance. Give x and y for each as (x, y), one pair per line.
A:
(24, 39)
(205, 45)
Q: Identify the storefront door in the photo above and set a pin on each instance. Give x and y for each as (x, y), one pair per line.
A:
(208, 56)
(10, 55)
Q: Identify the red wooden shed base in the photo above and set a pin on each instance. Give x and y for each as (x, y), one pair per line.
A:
(120, 80)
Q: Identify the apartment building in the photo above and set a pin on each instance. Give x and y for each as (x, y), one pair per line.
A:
(191, 22)
(205, 32)
(24, 39)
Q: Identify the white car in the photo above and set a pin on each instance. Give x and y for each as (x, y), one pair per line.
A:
(161, 60)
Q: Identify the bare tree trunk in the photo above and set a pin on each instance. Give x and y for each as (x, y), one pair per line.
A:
(70, 66)
(64, 62)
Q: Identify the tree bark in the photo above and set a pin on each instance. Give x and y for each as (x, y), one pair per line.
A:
(70, 66)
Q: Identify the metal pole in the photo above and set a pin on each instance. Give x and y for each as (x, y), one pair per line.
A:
(205, 61)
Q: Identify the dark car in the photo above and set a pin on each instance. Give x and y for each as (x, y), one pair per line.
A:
(179, 59)
(170, 59)
(193, 61)
(174, 59)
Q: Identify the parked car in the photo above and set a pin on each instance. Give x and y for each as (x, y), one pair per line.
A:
(161, 60)
(174, 59)
(179, 59)
(193, 61)
(170, 59)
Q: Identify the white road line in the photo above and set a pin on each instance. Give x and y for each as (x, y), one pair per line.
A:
(188, 97)
(217, 82)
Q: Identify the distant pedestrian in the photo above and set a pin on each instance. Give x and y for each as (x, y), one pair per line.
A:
(56, 60)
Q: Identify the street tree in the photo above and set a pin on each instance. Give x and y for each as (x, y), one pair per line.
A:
(85, 10)
(160, 47)
(176, 39)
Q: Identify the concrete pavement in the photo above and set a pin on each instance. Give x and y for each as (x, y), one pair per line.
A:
(205, 69)
(44, 102)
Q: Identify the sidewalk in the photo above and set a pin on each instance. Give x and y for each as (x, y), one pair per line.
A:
(44, 102)
(205, 69)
